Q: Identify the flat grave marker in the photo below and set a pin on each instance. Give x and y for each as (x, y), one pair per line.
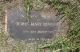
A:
(37, 29)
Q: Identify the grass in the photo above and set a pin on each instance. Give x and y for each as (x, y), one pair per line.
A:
(32, 5)
(70, 9)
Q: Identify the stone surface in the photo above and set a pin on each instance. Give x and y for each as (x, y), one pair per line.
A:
(41, 26)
